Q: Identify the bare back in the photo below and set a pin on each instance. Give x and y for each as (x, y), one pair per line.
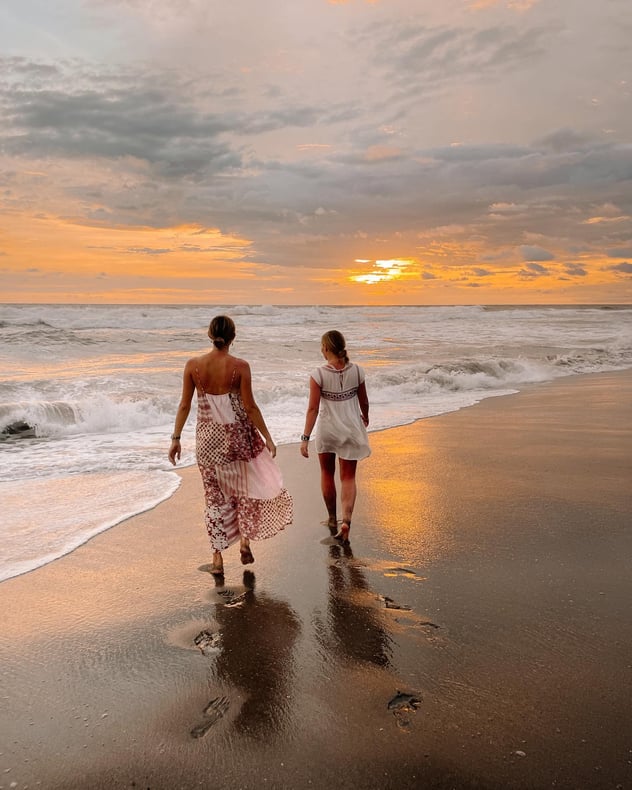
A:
(218, 374)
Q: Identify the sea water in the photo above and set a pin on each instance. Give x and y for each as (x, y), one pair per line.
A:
(88, 393)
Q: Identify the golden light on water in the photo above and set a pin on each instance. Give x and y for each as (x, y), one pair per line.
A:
(381, 270)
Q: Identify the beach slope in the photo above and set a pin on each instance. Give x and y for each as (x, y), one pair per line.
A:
(475, 633)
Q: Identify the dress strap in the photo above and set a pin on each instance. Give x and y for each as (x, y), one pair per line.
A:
(199, 380)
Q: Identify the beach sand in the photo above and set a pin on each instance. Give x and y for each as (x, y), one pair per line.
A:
(503, 533)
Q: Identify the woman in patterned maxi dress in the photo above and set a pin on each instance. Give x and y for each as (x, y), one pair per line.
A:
(338, 399)
(243, 488)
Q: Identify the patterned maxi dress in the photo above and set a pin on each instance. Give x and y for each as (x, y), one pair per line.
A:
(243, 487)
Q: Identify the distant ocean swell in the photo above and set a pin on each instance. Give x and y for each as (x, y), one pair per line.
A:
(405, 385)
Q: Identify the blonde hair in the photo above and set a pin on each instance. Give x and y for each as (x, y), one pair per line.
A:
(334, 342)
(222, 331)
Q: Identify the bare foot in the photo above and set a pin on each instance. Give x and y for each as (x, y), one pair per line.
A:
(343, 534)
(332, 522)
(246, 554)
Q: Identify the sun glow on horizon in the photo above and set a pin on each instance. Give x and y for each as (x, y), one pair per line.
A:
(382, 270)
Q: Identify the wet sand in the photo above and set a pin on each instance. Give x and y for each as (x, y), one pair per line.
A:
(487, 580)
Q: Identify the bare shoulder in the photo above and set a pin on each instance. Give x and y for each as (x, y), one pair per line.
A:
(240, 364)
(194, 362)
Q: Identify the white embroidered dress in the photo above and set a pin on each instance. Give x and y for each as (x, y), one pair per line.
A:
(340, 429)
(243, 486)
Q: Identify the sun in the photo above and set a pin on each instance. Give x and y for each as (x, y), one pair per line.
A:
(381, 270)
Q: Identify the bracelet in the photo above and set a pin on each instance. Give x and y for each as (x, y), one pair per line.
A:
(304, 437)
(175, 438)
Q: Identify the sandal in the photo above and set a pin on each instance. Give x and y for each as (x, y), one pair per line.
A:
(343, 534)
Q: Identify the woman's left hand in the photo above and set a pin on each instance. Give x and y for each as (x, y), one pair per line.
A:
(271, 447)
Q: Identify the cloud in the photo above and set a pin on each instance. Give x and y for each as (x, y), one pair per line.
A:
(565, 140)
(149, 251)
(533, 253)
(143, 124)
(536, 269)
(421, 58)
(506, 208)
(310, 174)
(622, 268)
(529, 273)
(517, 5)
(575, 270)
(125, 115)
(377, 153)
(620, 252)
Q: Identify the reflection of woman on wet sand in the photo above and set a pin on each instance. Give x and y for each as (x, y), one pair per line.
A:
(338, 398)
(257, 657)
(356, 624)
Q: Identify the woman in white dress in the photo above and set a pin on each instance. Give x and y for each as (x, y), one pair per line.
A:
(338, 399)
(243, 488)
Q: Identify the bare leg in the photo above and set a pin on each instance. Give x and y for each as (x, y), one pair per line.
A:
(218, 563)
(347, 494)
(328, 485)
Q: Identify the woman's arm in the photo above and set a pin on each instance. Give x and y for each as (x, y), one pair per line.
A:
(363, 400)
(311, 416)
(252, 410)
(184, 407)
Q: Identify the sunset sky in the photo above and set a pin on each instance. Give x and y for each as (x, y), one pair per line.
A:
(316, 151)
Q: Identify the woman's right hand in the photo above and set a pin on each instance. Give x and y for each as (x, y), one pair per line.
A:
(271, 447)
(305, 449)
(175, 451)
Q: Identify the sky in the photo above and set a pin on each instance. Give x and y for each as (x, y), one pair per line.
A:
(316, 151)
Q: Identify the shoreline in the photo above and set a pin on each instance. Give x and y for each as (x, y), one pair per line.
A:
(180, 469)
(502, 532)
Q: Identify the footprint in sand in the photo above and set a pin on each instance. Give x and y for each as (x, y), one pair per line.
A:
(228, 597)
(213, 712)
(401, 705)
(237, 600)
(404, 572)
(209, 643)
(389, 603)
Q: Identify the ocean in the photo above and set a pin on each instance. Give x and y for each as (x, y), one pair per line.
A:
(88, 393)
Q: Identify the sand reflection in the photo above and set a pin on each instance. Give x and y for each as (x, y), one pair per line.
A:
(356, 623)
(257, 657)
(409, 501)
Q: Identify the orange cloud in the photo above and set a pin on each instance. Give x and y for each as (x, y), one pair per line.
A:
(72, 258)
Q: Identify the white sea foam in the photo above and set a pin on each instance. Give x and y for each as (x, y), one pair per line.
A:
(99, 385)
(46, 518)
